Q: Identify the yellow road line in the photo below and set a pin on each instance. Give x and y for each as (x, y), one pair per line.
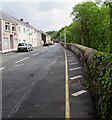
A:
(67, 107)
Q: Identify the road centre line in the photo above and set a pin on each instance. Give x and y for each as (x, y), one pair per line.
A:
(43, 51)
(18, 65)
(67, 104)
(21, 60)
(75, 68)
(73, 63)
(39, 52)
(73, 78)
(36, 53)
(2, 68)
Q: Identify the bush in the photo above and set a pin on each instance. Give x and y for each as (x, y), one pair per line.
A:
(100, 83)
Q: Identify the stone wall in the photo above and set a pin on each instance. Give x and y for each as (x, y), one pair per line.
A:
(98, 74)
(84, 53)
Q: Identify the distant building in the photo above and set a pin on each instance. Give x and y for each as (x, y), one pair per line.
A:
(48, 38)
(14, 31)
(45, 37)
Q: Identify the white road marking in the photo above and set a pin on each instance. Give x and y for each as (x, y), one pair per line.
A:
(39, 52)
(21, 60)
(43, 51)
(79, 93)
(75, 68)
(36, 54)
(70, 60)
(73, 63)
(71, 57)
(2, 68)
(18, 65)
(79, 76)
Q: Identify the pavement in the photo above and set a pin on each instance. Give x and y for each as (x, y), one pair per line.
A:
(45, 83)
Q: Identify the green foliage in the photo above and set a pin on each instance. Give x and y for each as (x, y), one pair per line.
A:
(100, 83)
(91, 26)
(95, 25)
(53, 34)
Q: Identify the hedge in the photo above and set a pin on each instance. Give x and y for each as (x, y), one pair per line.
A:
(99, 70)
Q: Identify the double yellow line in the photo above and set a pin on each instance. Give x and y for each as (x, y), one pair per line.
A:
(67, 105)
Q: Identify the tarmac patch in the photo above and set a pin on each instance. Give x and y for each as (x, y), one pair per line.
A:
(74, 81)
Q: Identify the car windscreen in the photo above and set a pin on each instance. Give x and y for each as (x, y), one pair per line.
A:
(22, 44)
(29, 45)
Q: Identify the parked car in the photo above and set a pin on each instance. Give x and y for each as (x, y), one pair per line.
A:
(25, 47)
(46, 44)
(51, 43)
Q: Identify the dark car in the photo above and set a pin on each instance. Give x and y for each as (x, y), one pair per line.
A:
(46, 44)
(25, 47)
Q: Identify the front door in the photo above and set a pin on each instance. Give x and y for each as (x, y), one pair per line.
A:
(11, 41)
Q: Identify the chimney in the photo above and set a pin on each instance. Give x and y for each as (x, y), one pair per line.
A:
(26, 22)
(21, 20)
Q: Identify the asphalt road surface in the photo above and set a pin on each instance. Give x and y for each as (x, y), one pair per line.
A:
(35, 85)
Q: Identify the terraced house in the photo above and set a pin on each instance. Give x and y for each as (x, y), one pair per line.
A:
(14, 31)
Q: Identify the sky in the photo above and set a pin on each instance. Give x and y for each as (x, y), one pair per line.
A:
(46, 15)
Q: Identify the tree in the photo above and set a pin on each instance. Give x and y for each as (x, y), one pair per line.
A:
(91, 26)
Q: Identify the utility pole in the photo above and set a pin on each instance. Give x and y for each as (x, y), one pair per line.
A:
(60, 37)
(65, 34)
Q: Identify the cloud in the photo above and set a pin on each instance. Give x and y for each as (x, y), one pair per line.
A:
(42, 15)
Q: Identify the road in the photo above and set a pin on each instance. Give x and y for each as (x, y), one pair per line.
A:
(44, 83)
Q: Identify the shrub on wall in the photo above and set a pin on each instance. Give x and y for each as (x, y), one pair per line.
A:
(100, 83)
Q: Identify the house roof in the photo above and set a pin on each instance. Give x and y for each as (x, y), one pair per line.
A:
(9, 18)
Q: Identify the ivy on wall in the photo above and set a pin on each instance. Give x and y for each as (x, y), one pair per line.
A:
(100, 83)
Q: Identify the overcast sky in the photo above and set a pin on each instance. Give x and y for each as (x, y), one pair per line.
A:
(46, 15)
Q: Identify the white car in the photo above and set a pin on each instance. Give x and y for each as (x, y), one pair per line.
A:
(25, 47)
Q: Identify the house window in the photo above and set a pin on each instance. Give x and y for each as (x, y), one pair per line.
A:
(13, 28)
(15, 41)
(30, 34)
(19, 29)
(7, 26)
(6, 42)
(24, 30)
